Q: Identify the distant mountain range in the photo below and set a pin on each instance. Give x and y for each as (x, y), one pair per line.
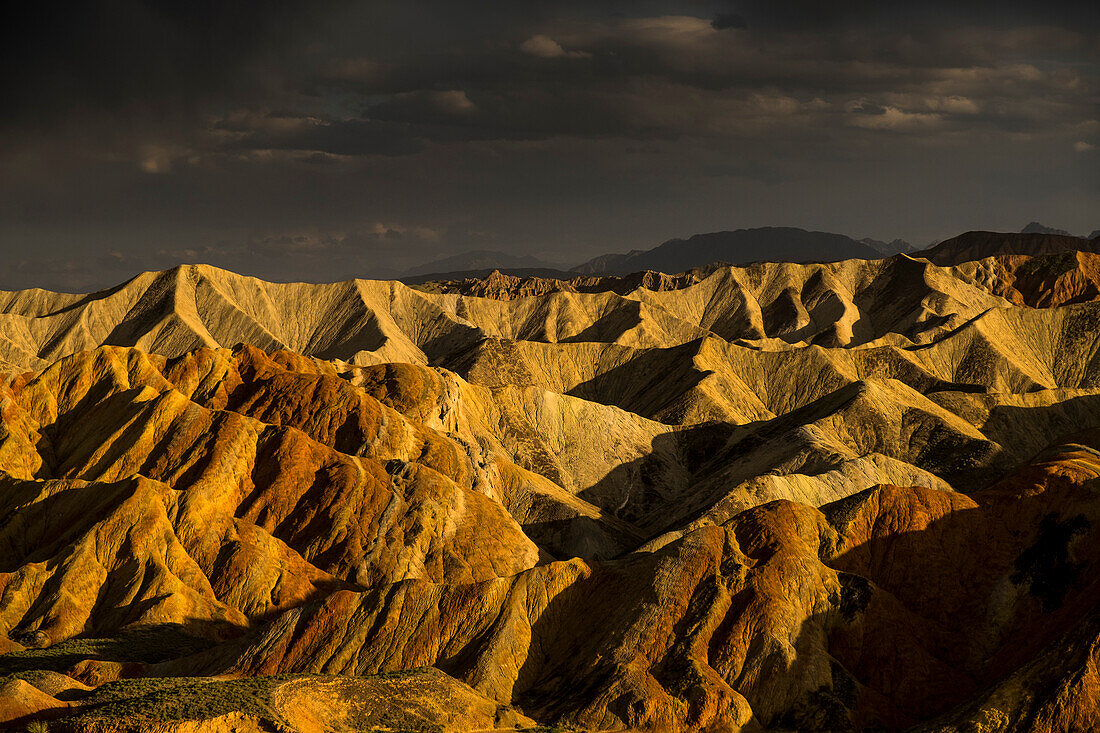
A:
(1037, 228)
(898, 246)
(784, 244)
(741, 246)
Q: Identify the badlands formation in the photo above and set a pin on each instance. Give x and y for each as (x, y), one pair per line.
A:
(862, 495)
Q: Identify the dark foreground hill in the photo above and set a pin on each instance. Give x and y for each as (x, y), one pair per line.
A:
(977, 245)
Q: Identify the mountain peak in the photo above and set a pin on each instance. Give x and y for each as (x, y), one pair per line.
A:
(896, 246)
(1037, 228)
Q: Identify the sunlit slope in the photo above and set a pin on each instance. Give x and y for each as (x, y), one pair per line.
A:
(902, 301)
(855, 495)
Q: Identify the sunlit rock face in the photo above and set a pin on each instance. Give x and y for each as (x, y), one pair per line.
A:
(845, 496)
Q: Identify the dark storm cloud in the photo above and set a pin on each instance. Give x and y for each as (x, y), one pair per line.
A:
(108, 54)
(509, 72)
(227, 130)
(722, 21)
(679, 75)
(345, 137)
(865, 13)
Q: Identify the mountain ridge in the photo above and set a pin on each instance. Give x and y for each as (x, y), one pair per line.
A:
(735, 247)
(978, 244)
(724, 247)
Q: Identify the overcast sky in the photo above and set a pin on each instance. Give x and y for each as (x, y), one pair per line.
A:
(325, 140)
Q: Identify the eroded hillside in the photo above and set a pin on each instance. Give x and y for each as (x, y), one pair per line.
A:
(773, 497)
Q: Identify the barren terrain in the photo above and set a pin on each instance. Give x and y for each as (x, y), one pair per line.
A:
(858, 495)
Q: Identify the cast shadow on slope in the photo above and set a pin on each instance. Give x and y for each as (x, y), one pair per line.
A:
(943, 597)
(647, 490)
(804, 456)
(655, 384)
(1025, 431)
(967, 592)
(937, 598)
(90, 298)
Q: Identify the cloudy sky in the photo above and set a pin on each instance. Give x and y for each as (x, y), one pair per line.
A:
(327, 139)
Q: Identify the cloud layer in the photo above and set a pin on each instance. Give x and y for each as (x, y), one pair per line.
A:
(140, 133)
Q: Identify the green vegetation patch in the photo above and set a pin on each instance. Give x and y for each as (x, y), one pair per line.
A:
(149, 645)
(182, 698)
(1046, 565)
(201, 698)
(1048, 265)
(32, 676)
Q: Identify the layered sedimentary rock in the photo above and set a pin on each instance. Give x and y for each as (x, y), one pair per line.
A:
(841, 496)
